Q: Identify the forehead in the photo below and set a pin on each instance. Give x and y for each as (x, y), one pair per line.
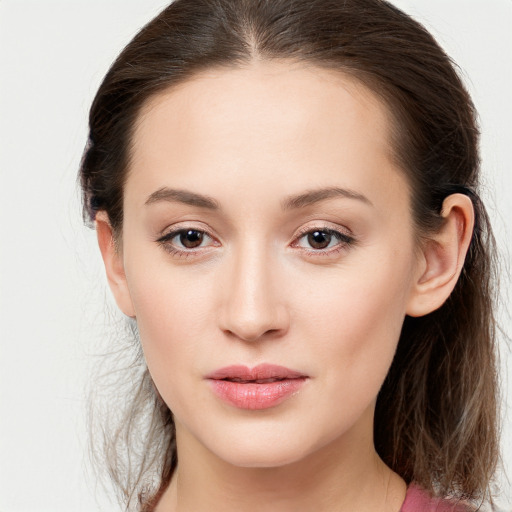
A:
(297, 94)
(270, 120)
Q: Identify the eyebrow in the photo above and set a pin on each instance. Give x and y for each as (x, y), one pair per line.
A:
(317, 195)
(290, 203)
(182, 196)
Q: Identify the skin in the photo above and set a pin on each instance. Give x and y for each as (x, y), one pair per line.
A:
(256, 291)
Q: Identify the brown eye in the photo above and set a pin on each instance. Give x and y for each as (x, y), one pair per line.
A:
(191, 238)
(323, 241)
(319, 239)
(187, 242)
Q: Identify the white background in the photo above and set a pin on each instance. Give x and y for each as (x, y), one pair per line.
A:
(53, 55)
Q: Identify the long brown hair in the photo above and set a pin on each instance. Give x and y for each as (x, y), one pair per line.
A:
(436, 414)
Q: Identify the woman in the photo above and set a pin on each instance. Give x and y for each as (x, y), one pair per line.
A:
(286, 200)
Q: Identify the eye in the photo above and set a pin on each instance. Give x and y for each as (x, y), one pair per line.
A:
(190, 238)
(320, 239)
(182, 241)
(323, 240)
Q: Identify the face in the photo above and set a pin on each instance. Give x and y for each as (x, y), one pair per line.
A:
(265, 223)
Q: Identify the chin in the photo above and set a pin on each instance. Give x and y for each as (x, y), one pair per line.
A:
(273, 449)
(263, 457)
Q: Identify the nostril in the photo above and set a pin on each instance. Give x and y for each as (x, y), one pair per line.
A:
(251, 335)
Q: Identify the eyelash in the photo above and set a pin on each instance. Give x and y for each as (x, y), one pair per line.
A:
(344, 242)
(165, 242)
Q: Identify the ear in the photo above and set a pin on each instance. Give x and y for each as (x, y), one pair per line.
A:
(442, 257)
(114, 265)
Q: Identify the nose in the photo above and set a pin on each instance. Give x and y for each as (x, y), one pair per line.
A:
(253, 308)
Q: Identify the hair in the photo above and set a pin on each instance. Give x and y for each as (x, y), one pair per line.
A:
(436, 418)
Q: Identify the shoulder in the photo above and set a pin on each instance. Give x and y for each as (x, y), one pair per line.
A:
(419, 500)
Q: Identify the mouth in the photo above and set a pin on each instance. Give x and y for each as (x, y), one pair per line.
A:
(261, 374)
(262, 387)
(256, 381)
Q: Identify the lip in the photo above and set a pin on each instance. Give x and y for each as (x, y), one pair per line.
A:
(261, 387)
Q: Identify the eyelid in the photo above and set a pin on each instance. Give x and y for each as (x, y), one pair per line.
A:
(174, 233)
(185, 225)
(323, 226)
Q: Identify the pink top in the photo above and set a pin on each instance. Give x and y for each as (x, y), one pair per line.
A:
(418, 500)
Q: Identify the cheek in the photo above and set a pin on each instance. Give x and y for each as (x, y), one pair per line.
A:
(352, 323)
(172, 313)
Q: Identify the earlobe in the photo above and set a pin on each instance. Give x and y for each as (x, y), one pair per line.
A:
(443, 257)
(114, 266)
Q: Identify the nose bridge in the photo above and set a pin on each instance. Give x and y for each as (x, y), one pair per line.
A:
(252, 305)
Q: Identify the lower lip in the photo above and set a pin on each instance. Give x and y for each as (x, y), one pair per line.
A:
(255, 396)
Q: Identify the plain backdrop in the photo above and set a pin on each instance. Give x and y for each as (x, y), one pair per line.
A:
(53, 55)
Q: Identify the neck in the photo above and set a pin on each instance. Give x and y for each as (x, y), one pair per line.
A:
(345, 475)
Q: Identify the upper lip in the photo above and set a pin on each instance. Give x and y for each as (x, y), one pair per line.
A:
(260, 372)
